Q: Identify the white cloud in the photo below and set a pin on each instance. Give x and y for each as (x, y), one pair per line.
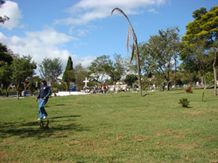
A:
(11, 10)
(154, 11)
(85, 61)
(49, 37)
(88, 10)
(46, 43)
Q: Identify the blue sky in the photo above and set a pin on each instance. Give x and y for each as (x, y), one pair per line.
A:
(85, 29)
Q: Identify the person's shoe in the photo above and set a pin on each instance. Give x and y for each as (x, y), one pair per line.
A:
(38, 119)
(44, 117)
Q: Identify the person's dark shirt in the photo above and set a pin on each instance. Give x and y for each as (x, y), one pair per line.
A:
(44, 92)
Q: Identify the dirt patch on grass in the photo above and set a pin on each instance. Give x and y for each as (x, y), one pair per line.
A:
(195, 113)
(140, 138)
(88, 145)
(8, 141)
(3, 155)
(120, 137)
(170, 132)
(211, 138)
(189, 146)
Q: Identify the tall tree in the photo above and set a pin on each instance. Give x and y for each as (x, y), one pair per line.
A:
(103, 68)
(6, 55)
(195, 60)
(22, 69)
(80, 74)
(100, 68)
(51, 69)
(119, 66)
(6, 58)
(160, 53)
(115, 69)
(69, 74)
(134, 46)
(204, 28)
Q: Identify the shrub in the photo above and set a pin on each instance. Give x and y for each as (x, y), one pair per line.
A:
(184, 102)
(189, 89)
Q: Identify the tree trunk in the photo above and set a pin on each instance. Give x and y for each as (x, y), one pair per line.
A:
(138, 67)
(163, 86)
(168, 85)
(168, 81)
(175, 72)
(7, 93)
(214, 74)
(18, 95)
(205, 87)
(68, 86)
(17, 88)
(140, 81)
(138, 61)
(168, 78)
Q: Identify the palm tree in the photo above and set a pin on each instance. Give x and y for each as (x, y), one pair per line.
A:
(134, 47)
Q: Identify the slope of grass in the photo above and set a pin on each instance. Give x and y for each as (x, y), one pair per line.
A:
(112, 128)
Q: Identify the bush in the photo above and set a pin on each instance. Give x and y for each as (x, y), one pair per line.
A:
(184, 102)
(189, 89)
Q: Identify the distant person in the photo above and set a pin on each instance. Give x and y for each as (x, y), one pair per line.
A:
(42, 99)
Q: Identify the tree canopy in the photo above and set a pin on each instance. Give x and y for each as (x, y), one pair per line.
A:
(100, 68)
(80, 74)
(69, 74)
(204, 26)
(51, 69)
(6, 59)
(22, 69)
(5, 55)
(200, 42)
(161, 52)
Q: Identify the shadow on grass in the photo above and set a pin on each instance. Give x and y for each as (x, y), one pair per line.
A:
(65, 116)
(32, 129)
(60, 105)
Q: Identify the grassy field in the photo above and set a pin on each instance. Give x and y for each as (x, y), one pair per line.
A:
(121, 127)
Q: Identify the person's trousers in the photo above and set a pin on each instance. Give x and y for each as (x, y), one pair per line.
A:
(41, 104)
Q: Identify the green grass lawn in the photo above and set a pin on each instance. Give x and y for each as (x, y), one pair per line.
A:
(112, 128)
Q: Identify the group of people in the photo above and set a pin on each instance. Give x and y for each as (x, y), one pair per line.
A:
(100, 89)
